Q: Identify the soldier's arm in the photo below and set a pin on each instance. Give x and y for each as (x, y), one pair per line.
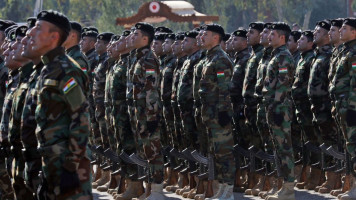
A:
(285, 71)
(167, 86)
(150, 88)
(224, 73)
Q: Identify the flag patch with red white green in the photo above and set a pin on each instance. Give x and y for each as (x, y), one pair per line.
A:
(69, 85)
(150, 71)
(283, 70)
(220, 74)
(6, 84)
(354, 65)
(84, 69)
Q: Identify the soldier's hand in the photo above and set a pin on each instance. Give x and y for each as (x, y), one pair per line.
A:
(69, 181)
(224, 118)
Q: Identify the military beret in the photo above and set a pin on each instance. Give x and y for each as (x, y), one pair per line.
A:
(281, 26)
(9, 29)
(106, 36)
(191, 34)
(21, 31)
(350, 21)
(196, 29)
(11, 35)
(268, 25)
(4, 24)
(171, 36)
(257, 25)
(90, 28)
(31, 22)
(296, 35)
(126, 33)
(180, 36)
(337, 22)
(163, 29)
(216, 28)
(56, 18)
(240, 33)
(146, 27)
(115, 38)
(308, 33)
(226, 37)
(90, 34)
(160, 36)
(76, 26)
(325, 24)
(202, 27)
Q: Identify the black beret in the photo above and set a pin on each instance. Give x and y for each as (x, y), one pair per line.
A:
(90, 28)
(268, 25)
(325, 24)
(308, 33)
(21, 31)
(257, 25)
(202, 27)
(126, 33)
(240, 33)
(106, 36)
(171, 36)
(216, 28)
(350, 21)
(56, 18)
(9, 29)
(226, 37)
(148, 28)
(4, 24)
(90, 34)
(281, 26)
(163, 29)
(296, 35)
(196, 29)
(337, 22)
(191, 34)
(76, 26)
(31, 22)
(160, 36)
(180, 36)
(115, 38)
(11, 35)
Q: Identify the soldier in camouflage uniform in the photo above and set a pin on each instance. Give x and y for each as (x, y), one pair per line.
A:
(62, 91)
(292, 45)
(277, 100)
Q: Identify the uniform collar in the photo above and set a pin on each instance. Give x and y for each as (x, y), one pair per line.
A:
(257, 47)
(198, 52)
(52, 54)
(89, 52)
(142, 51)
(279, 49)
(303, 54)
(213, 50)
(73, 48)
(350, 44)
(324, 49)
(26, 70)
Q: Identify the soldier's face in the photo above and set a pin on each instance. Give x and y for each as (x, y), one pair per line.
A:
(138, 40)
(303, 43)
(121, 44)
(129, 41)
(229, 44)
(27, 48)
(199, 42)
(41, 37)
(207, 39)
(109, 49)
(264, 37)
(114, 51)
(176, 47)
(2, 40)
(188, 44)
(167, 46)
(87, 43)
(334, 34)
(9, 62)
(100, 46)
(347, 33)
(319, 35)
(4, 46)
(239, 43)
(157, 47)
(274, 39)
(223, 45)
(253, 37)
(292, 45)
(17, 47)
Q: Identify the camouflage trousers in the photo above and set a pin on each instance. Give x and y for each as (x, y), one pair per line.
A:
(7, 191)
(100, 119)
(250, 112)
(149, 134)
(133, 120)
(202, 136)
(32, 169)
(219, 131)
(95, 137)
(168, 117)
(178, 129)
(190, 132)
(279, 121)
(18, 167)
(263, 129)
(110, 127)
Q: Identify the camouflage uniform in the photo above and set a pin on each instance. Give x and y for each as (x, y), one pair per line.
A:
(147, 108)
(216, 110)
(277, 100)
(296, 56)
(3, 79)
(33, 163)
(62, 127)
(186, 101)
(166, 93)
(18, 167)
(75, 53)
(248, 91)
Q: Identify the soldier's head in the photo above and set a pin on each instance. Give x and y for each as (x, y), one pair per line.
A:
(74, 35)
(17, 46)
(223, 42)
(253, 34)
(168, 43)
(265, 33)
(162, 29)
(143, 35)
(9, 51)
(305, 42)
(50, 31)
(199, 36)
(348, 30)
(239, 40)
(321, 36)
(102, 42)
(27, 51)
(111, 48)
(212, 36)
(4, 24)
(157, 44)
(229, 47)
(122, 43)
(177, 45)
(292, 41)
(279, 34)
(189, 44)
(334, 33)
(88, 41)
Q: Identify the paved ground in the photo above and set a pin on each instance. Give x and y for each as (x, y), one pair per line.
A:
(300, 195)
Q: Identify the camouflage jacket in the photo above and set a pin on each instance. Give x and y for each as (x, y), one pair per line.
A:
(28, 120)
(161, 60)
(4, 75)
(93, 60)
(100, 78)
(17, 105)
(215, 82)
(167, 79)
(108, 84)
(333, 61)
(185, 85)
(146, 84)
(261, 73)
(249, 84)
(196, 79)
(12, 84)
(296, 56)
(75, 53)
(62, 109)
(238, 75)
(351, 103)
(340, 85)
(279, 76)
(301, 76)
(130, 72)
(176, 76)
(119, 80)
(318, 78)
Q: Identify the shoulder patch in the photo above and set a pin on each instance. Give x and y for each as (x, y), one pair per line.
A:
(50, 82)
(71, 83)
(150, 71)
(220, 74)
(283, 70)
(354, 65)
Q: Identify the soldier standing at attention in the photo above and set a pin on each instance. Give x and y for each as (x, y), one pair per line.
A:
(277, 100)
(292, 45)
(62, 112)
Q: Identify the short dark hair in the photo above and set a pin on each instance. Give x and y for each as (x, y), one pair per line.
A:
(150, 36)
(285, 33)
(62, 35)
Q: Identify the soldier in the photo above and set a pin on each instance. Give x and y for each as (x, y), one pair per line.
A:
(157, 48)
(277, 100)
(21, 191)
(147, 105)
(292, 45)
(61, 90)
(162, 29)
(343, 89)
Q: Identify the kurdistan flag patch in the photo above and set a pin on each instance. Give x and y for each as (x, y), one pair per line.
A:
(69, 85)
(84, 69)
(283, 70)
(354, 65)
(220, 74)
(150, 71)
